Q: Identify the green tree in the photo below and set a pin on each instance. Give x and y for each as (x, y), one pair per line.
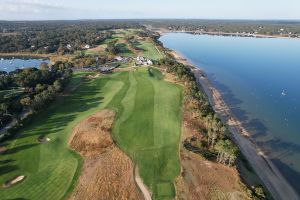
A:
(44, 66)
(4, 107)
(39, 88)
(57, 86)
(25, 101)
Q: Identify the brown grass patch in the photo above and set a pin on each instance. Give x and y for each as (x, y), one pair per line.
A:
(168, 76)
(107, 172)
(99, 48)
(200, 178)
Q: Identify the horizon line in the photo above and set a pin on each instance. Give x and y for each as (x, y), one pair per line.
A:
(95, 19)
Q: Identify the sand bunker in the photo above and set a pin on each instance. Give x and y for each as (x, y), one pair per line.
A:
(107, 172)
(43, 139)
(3, 150)
(13, 181)
(92, 77)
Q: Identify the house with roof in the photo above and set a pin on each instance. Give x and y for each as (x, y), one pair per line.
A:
(143, 61)
(69, 46)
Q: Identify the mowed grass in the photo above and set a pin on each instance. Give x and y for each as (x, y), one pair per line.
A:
(148, 128)
(124, 50)
(146, 47)
(51, 169)
(149, 50)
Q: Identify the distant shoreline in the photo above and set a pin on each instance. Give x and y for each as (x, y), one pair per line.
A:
(24, 55)
(277, 185)
(225, 34)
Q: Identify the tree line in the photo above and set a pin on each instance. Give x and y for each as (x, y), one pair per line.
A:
(228, 26)
(218, 144)
(29, 90)
(60, 37)
(218, 141)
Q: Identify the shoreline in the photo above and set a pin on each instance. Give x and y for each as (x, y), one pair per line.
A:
(224, 34)
(25, 55)
(50, 57)
(272, 178)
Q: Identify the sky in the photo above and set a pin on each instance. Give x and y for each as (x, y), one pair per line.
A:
(140, 9)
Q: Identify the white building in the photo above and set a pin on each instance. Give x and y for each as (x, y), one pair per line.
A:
(150, 62)
(143, 61)
(118, 58)
(69, 46)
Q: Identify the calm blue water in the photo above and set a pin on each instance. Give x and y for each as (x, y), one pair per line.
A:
(251, 74)
(9, 64)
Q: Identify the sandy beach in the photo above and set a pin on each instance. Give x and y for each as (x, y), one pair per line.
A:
(265, 169)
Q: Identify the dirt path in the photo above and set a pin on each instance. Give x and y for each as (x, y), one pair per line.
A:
(141, 184)
(269, 174)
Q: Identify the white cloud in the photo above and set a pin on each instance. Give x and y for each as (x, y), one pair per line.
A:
(95, 9)
(28, 6)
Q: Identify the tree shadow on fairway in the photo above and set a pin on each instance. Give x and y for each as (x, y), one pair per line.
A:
(123, 48)
(138, 45)
(3, 162)
(19, 148)
(60, 114)
(7, 169)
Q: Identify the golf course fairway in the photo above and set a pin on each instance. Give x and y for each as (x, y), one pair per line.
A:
(147, 128)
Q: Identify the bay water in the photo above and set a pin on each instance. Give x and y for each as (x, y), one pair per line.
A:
(11, 64)
(259, 78)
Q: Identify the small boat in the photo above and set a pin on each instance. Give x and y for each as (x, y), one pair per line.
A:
(2, 59)
(283, 93)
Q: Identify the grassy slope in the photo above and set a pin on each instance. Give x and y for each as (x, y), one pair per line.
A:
(50, 168)
(147, 47)
(149, 50)
(148, 128)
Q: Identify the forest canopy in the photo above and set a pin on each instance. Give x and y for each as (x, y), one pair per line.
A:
(56, 36)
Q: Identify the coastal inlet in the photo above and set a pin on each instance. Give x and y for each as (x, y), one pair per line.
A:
(12, 63)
